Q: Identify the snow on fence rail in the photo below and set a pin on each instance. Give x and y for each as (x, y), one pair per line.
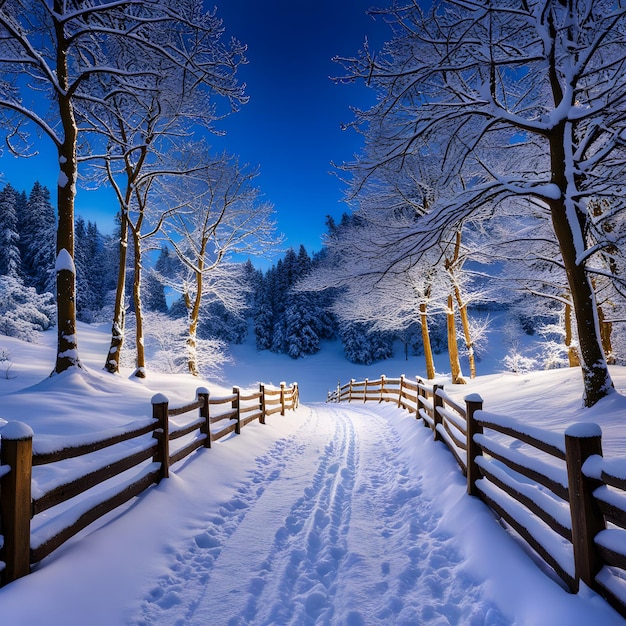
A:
(35, 475)
(555, 490)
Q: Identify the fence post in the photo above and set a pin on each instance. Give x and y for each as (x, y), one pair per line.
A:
(473, 403)
(339, 390)
(203, 395)
(418, 394)
(350, 390)
(161, 433)
(235, 406)
(420, 403)
(382, 388)
(262, 403)
(296, 396)
(437, 419)
(282, 398)
(15, 499)
(400, 391)
(365, 391)
(581, 442)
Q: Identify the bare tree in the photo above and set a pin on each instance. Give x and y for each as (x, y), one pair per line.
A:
(512, 99)
(56, 55)
(218, 213)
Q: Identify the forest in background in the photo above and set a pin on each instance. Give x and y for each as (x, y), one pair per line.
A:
(283, 315)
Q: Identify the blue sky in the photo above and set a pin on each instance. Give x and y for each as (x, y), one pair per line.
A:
(291, 127)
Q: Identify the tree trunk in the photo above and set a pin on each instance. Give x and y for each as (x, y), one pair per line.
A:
(114, 356)
(467, 334)
(606, 329)
(67, 346)
(140, 371)
(428, 349)
(453, 349)
(567, 222)
(572, 352)
(194, 316)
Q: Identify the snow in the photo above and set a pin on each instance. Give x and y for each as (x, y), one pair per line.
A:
(583, 431)
(64, 262)
(333, 514)
(16, 431)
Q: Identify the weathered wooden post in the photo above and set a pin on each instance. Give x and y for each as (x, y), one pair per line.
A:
(437, 404)
(235, 405)
(365, 391)
(473, 403)
(581, 442)
(339, 390)
(420, 395)
(382, 388)
(15, 499)
(161, 433)
(203, 396)
(262, 403)
(400, 391)
(296, 396)
(282, 398)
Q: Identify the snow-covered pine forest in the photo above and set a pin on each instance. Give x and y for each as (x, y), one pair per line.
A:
(280, 318)
(277, 308)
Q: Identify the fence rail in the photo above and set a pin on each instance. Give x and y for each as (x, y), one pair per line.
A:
(140, 451)
(555, 490)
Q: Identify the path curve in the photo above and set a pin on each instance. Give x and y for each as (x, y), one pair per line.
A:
(330, 527)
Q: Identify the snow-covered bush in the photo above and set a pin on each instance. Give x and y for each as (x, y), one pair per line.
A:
(24, 312)
(516, 362)
(5, 363)
(166, 346)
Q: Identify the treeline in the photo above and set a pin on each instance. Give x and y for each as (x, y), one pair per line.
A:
(284, 319)
(27, 263)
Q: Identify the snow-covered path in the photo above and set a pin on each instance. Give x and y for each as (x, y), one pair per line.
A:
(331, 526)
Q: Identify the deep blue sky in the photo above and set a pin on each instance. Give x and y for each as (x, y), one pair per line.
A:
(291, 127)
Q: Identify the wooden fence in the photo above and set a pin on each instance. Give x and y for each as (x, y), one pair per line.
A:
(141, 449)
(555, 490)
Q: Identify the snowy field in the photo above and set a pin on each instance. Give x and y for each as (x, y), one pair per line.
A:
(333, 514)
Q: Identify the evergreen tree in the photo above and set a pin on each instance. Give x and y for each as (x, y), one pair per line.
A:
(263, 316)
(10, 258)
(37, 228)
(23, 312)
(89, 258)
(218, 322)
(363, 346)
(301, 336)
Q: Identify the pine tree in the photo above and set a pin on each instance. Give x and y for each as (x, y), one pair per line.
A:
(363, 346)
(301, 336)
(89, 258)
(263, 316)
(10, 258)
(37, 228)
(23, 312)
